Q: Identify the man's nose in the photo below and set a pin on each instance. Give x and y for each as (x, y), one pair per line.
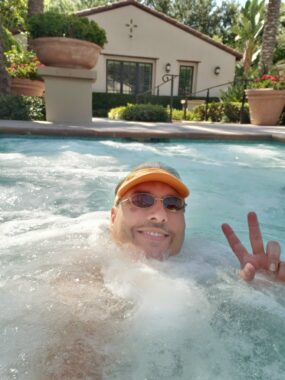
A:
(157, 212)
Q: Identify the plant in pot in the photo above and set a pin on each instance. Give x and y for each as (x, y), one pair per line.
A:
(22, 66)
(66, 40)
(266, 99)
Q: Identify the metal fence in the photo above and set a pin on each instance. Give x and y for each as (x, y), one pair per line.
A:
(193, 95)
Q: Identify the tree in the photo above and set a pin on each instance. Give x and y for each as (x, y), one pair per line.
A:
(14, 14)
(269, 35)
(70, 6)
(202, 15)
(248, 30)
(4, 77)
(35, 7)
(163, 6)
(279, 53)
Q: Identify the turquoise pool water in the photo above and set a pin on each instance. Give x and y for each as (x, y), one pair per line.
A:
(190, 317)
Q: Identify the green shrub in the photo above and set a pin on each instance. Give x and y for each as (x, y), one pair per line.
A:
(51, 24)
(22, 107)
(22, 64)
(103, 102)
(220, 112)
(117, 113)
(140, 112)
(179, 114)
(234, 93)
(198, 113)
(232, 112)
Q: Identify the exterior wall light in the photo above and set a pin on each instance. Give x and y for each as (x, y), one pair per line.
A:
(217, 70)
(167, 67)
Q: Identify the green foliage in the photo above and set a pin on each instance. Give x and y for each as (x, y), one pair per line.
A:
(232, 112)
(22, 64)
(103, 102)
(233, 93)
(179, 114)
(22, 107)
(248, 30)
(140, 112)
(69, 6)
(51, 24)
(9, 41)
(14, 14)
(268, 81)
(203, 15)
(220, 112)
(117, 113)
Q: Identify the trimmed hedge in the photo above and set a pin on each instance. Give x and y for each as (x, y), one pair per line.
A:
(22, 107)
(220, 112)
(52, 24)
(217, 112)
(103, 102)
(139, 112)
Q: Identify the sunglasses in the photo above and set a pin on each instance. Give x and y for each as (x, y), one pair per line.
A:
(146, 200)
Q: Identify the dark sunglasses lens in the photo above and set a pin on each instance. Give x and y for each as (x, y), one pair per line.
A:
(173, 203)
(143, 200)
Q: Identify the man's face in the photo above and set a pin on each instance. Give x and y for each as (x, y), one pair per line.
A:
(155, 230)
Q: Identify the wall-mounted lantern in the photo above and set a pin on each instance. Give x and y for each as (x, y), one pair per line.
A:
(167, 67)
(217, 70)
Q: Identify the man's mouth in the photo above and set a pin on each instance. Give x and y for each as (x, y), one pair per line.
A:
(154, 235)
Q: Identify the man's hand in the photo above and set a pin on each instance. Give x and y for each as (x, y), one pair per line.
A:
(260, 259)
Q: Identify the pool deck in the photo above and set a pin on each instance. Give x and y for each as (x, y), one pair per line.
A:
(104, 128)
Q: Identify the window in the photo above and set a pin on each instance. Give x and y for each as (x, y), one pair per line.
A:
(185, 80)
(128, 77)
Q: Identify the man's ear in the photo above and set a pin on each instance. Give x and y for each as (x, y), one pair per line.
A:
(113, 214)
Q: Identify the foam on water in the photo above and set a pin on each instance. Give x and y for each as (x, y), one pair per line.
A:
(75, 306)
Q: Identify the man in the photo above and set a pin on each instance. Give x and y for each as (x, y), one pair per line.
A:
(148, 214)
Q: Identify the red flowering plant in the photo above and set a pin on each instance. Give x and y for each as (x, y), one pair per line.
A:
(275, 82)
(22, 64)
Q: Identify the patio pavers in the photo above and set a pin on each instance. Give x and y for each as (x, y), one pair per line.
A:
(104, 128)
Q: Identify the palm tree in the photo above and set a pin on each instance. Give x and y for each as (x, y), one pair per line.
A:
(4, 77)
(35, 6)
(248, 30)
(269, 34)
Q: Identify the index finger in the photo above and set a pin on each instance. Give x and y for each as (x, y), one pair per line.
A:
(235, 244)
(255, 234)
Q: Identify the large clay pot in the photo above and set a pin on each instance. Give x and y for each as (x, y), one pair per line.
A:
(265, 105)
(27, 87)
(66, 52)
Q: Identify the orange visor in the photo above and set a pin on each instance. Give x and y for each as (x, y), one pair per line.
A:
(154, 174)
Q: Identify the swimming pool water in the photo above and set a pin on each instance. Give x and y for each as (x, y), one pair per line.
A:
(190, 317)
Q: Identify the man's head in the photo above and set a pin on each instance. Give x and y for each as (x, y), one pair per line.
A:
(149, 210)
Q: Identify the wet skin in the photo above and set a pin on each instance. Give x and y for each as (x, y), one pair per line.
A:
(159, 233)
(156, 231)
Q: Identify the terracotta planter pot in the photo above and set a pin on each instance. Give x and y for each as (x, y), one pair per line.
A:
(265, 105)
(66, 52)
(27, 87)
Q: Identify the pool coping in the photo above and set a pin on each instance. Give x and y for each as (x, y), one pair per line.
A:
(105, 128)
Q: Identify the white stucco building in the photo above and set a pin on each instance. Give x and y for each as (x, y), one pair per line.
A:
(143, 45)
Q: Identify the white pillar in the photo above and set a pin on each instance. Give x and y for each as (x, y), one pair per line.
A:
(68, 94)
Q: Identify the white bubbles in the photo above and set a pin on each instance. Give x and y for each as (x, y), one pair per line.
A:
(75, 305)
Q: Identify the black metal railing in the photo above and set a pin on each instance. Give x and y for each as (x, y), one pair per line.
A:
(193, 95)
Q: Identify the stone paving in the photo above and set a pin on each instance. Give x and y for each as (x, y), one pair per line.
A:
(104, 128)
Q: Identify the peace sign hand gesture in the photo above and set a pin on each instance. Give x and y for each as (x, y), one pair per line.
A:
(260, 259)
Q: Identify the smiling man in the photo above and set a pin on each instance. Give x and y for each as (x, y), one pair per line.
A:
(148, 214)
